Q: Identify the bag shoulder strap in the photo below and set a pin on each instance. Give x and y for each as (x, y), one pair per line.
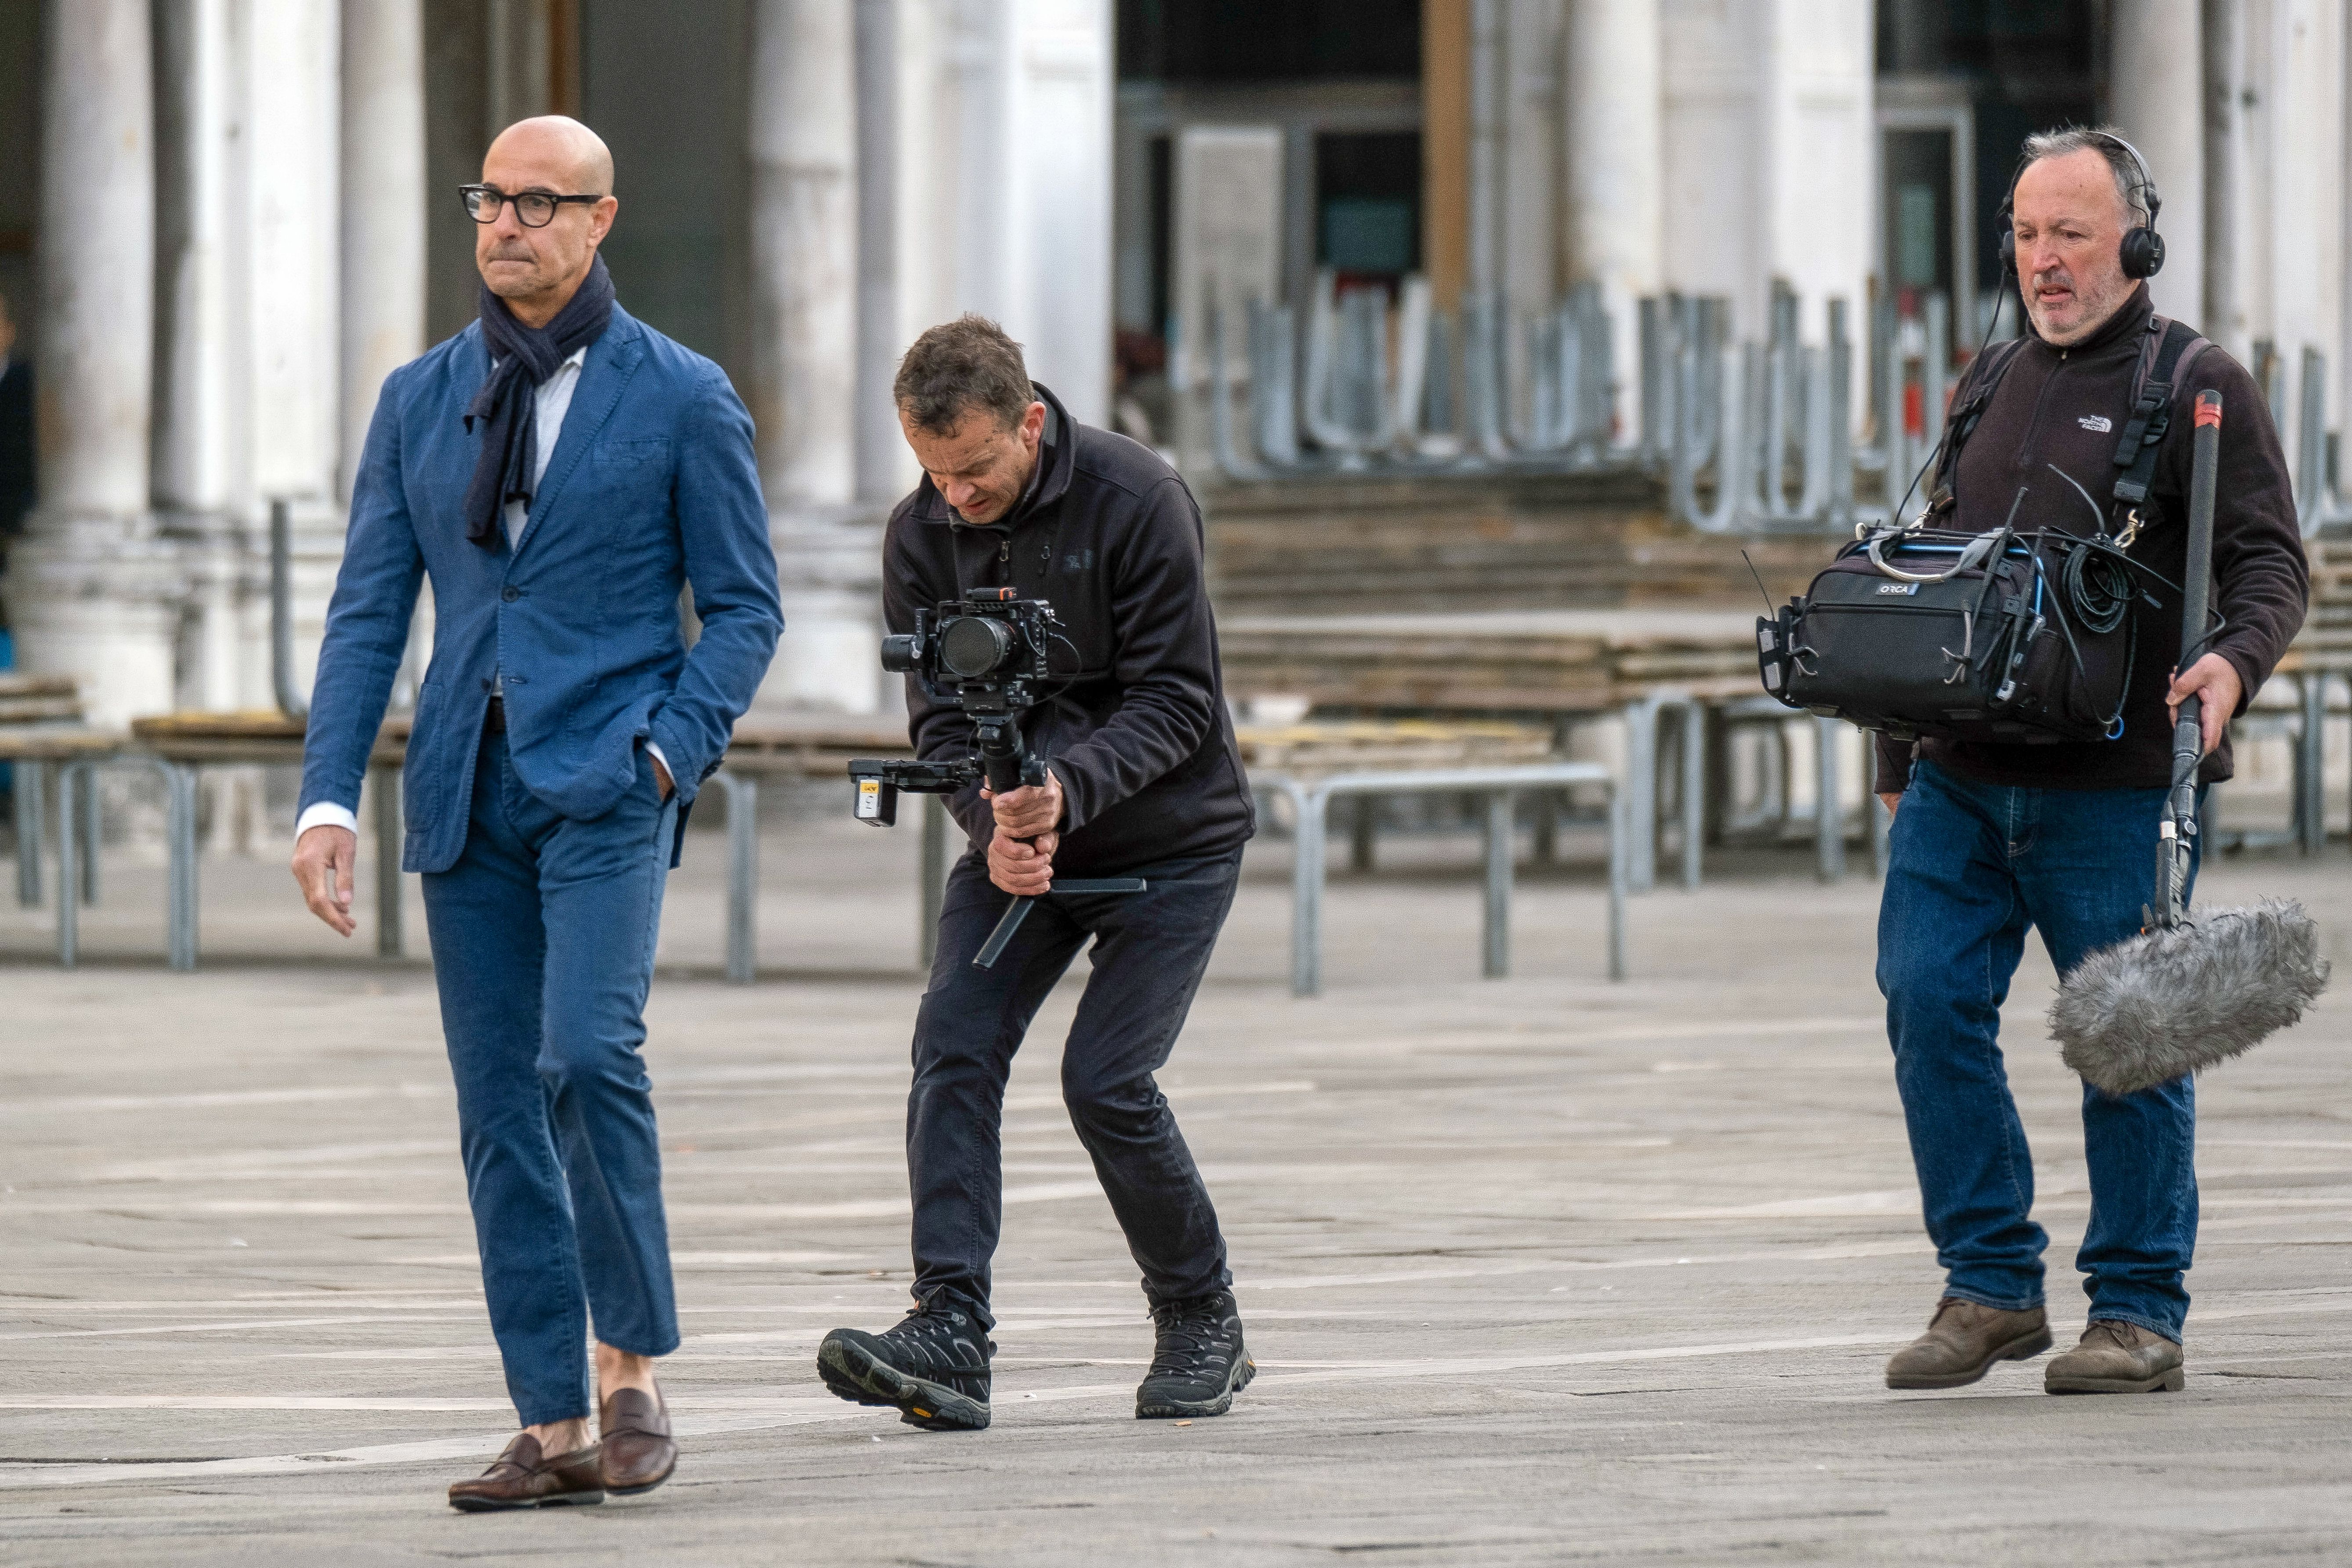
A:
(2165, 355)
(1992, 362)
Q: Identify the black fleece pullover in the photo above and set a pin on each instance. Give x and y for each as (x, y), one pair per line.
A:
(1141, 742)
(2067, 406)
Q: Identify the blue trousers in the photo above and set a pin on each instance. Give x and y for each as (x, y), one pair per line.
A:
(543, 948)
(1971, 867)
(1149, 951)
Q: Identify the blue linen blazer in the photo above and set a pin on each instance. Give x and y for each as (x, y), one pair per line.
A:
(652, 485)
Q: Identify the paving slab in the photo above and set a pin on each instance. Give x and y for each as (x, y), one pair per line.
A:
(1537, 1271)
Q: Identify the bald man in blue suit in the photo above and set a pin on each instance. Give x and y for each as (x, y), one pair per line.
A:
(562, 472)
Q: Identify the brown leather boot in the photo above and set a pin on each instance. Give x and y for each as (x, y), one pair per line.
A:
(2116, 1358)
(1962, 1341)
(524, 1478)
(638, 1453)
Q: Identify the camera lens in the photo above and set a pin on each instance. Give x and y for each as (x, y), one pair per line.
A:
(902, 654)
(974, 645)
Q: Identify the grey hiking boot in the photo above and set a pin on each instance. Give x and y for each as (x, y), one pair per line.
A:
(932, 1366)
(1962, 1341)
(2116, 1358)
(1198, 1363)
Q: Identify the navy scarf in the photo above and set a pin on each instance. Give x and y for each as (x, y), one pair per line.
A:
(506, 407)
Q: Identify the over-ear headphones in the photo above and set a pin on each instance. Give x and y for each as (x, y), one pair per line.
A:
(2142, 252)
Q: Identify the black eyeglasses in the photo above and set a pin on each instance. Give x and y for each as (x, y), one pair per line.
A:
(533, 209)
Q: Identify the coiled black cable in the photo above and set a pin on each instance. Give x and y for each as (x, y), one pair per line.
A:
(2099, 589)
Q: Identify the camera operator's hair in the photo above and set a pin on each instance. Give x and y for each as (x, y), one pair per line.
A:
(965, 364)
(2107, 143)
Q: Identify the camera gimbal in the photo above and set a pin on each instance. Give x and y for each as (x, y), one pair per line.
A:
(991, 656)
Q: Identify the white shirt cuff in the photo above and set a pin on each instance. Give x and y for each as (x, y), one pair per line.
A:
(656, 753)
(325, 814)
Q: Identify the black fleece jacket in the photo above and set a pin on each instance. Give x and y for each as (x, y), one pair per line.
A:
(1141, 742)
(2067, 406)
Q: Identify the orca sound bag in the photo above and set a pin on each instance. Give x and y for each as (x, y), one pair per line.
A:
(1962, 636)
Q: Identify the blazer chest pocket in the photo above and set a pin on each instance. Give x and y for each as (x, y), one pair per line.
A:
(647, 452)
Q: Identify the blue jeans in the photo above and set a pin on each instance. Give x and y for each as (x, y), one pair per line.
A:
(543, 948)
(1971, 867)
(1149, 951)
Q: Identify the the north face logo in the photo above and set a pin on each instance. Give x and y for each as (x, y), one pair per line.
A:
(2098, 421)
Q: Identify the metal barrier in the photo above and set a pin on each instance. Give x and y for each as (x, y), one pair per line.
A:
(1501, 785)
(1765, 429)
(1643, 720)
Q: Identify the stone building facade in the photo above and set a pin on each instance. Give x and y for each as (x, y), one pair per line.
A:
(222, 221)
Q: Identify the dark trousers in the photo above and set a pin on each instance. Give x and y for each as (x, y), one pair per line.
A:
(543, 948)
(1149, 951)
(1970, 868)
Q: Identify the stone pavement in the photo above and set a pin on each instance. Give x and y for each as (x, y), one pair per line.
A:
(1537, 1270)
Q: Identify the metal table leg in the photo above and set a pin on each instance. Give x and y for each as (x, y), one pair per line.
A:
(743, 876)
(390, 937)
(2311, 764)
(1306, 893)
(31, 830)
(180, 831)
(933, 876)
(1694, 792)
(86, 821)
(1363, 833)
(1617, 883)
(1641, 793)
(1876, 818)
(68, 874)
(1829, 814)
(1495, 929)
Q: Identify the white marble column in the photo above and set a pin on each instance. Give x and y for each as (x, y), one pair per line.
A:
(1007, 167)
(2301, 190)
(200, 419)
(805, 224)
(384, 197)
(293, 209)
(2156, 85)
(1611, 213)
(804, 248)
(1821, 136)
(884, 469)
(384, 249)
(92, 592)
(1769, 153)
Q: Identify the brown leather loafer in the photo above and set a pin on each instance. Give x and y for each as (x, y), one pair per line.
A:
(638, 1453)
(1962, 1341)
(524, 1478)
(2116, 1358)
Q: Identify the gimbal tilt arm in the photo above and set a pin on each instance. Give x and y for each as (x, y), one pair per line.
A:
(999, 755)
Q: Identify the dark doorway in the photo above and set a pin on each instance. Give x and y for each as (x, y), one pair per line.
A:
(1251, 41)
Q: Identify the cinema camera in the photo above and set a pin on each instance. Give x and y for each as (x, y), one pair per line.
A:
(991, 655)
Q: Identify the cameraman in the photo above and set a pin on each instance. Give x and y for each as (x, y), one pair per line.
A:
(1144, 780)
(1990, 840)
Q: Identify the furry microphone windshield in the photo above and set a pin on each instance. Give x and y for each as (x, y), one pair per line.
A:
(2169, 1002)
(2184, 996)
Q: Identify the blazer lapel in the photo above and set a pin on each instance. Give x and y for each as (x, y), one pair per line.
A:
(611, 360)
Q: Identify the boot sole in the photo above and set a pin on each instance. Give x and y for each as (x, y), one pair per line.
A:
(561, 1499)
(1172, 1409)
(2025, 1347)
(854, 1375)
(2170, 1382)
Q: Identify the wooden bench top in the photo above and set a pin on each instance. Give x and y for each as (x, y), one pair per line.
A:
(59, 744)
(1358, 745)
